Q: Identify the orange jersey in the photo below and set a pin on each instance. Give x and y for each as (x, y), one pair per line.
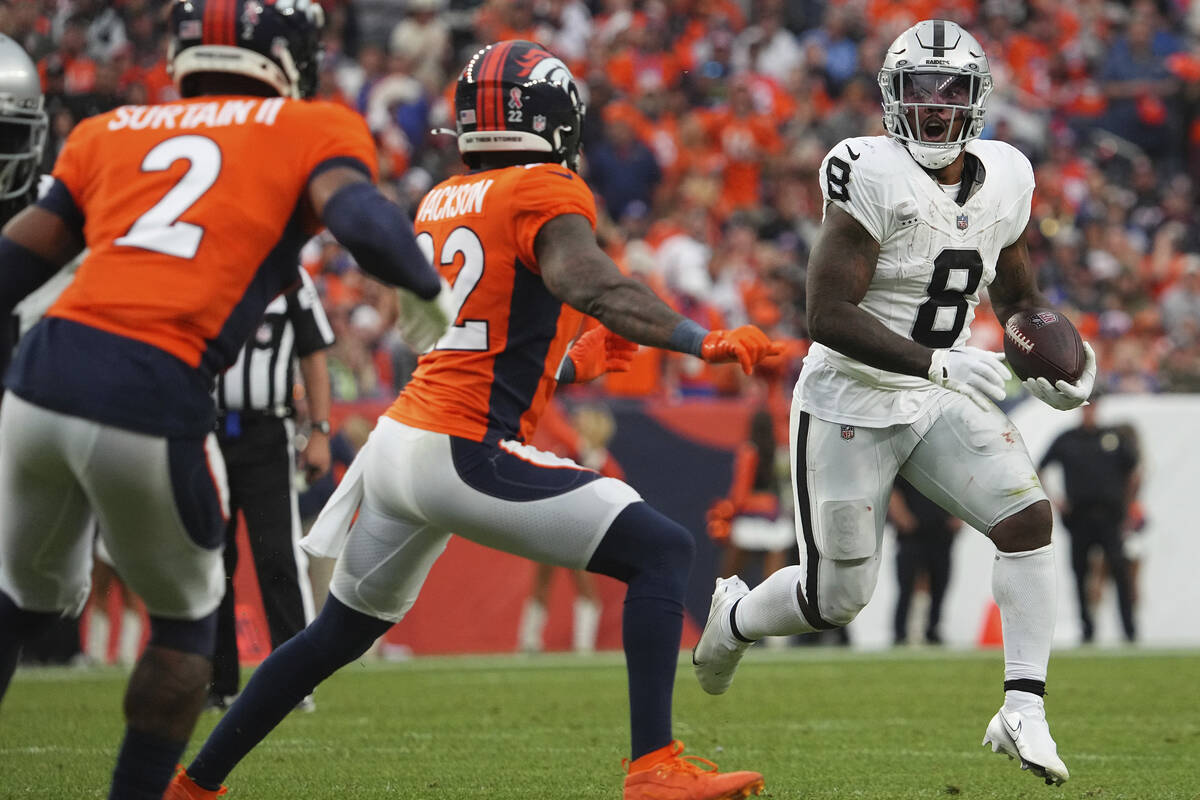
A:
(193, 214)
(186, 205)
(492, 373)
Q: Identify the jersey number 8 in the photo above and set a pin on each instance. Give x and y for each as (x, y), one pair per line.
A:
(940, 319)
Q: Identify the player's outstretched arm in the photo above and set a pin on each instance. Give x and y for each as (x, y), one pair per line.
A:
(373, 229)
(582, 275)
(36, 243)
(840, 269)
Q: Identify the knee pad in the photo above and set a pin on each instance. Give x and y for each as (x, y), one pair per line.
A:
(197, 636)
(845, 588)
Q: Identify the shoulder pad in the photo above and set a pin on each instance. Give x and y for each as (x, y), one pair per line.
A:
(1002, 159)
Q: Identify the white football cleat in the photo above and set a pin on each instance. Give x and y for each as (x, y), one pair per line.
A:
(715, 657)
(1026, 735)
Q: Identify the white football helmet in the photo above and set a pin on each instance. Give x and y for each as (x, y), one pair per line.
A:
(935, 64)
(22, 121)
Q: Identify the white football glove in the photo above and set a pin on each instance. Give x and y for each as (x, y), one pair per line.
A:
(971, 371)
(423, 322)
(1062, 395)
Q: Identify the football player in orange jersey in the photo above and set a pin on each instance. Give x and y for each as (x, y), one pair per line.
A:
(192, 214)
(515, 237)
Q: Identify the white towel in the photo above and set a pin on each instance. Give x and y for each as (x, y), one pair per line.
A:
(328, 534)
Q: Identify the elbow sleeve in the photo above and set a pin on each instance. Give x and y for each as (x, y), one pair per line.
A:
(380, 238)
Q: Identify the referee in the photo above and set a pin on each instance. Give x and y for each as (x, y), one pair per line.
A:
(256, 429)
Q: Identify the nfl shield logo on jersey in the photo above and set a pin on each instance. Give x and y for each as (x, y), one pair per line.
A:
(962, 221)
(847, 432)
(539, 122)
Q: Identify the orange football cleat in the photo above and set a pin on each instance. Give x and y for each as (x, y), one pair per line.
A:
(182, 787)
(665, 774)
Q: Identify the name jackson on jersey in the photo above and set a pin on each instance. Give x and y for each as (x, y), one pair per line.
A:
(935, 257)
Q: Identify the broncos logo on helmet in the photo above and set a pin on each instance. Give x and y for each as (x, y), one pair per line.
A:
(276, 42)
(516, 96)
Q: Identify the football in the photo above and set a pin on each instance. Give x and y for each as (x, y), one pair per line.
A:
(1042, 343)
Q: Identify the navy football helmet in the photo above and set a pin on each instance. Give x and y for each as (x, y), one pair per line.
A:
(277, 42)
(516, 96)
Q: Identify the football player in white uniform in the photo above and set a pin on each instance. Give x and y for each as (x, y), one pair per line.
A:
(916, 224)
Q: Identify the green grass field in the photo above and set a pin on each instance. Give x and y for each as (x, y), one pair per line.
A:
(817, 723)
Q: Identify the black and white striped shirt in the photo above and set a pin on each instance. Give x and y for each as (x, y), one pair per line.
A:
(293, 326)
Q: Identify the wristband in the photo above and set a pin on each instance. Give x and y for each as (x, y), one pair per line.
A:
(688, 337)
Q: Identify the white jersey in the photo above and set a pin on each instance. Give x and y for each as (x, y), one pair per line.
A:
(935, 257)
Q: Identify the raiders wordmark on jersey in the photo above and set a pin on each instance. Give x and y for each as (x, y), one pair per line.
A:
(935, 257)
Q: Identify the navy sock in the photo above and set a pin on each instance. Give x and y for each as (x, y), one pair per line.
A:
(335, 638)
(16, 627)
(653, 555)
(144, 766)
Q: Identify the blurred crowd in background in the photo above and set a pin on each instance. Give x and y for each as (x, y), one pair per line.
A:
(707, 123)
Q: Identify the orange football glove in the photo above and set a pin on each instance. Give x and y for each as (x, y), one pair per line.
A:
(720, 520)
(746, 345)
(598, 351)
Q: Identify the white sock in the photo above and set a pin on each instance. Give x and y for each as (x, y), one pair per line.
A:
(771, 608)
(129, 638)
(1024, 587)
(1016, 700)
(585, 625)
(96, 645)
(533, 623)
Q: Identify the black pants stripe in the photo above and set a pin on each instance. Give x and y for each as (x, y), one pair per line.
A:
(259, 463)
(807, 598)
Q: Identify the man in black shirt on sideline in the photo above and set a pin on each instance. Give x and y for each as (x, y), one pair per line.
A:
(1100, 477)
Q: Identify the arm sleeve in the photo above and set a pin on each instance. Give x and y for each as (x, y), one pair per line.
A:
(545, 192)
(57, 200)
(381, 239)
(313, 331)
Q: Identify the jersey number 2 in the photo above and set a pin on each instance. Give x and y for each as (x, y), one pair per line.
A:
(940, 319)
(159, 229)
(470, 334)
